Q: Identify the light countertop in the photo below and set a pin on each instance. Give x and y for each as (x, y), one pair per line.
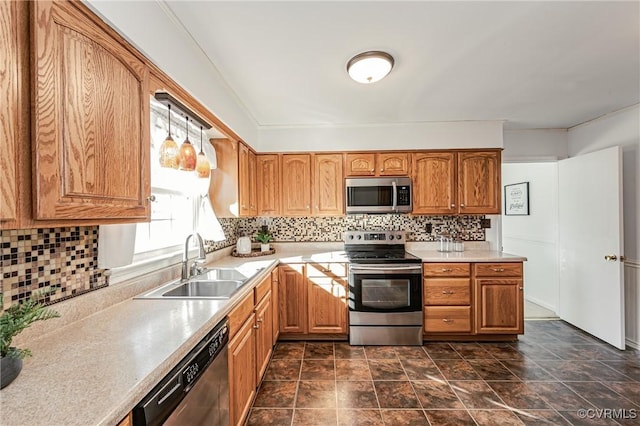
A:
(94, 370)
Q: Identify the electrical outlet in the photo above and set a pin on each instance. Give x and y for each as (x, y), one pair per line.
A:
(428, 228)
(485, 223)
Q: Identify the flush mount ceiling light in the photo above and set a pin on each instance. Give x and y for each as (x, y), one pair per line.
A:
(369, 67)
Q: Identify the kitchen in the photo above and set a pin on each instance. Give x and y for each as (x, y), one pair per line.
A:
(477, 135)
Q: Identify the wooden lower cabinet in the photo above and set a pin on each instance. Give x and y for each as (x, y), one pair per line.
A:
(264, 334)
(275, 286)
(470, 301)
(292, 299)
(242, 367)
(327, 298)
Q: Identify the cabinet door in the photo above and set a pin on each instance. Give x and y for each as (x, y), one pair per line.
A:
(479, 182)
(264, 335)
(292, 299)
(361, 164)
(90, 119)
(434, 180)
(242, 372)
(244, 180)
(275, 290)
(499, 306)
(268, 185)
(328, 185)
(253, 196)
(224, 189)
(327, 299)
(296, 185)
(393, 164)
(13, 77)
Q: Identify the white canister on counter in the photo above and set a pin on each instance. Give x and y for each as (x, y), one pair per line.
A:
(243, 246)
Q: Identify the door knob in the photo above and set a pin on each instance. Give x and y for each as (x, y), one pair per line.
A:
(611, 258)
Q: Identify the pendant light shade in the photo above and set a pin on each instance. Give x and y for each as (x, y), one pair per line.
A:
(369, 67)
(169, 152)
(203, 168)
(187, 151)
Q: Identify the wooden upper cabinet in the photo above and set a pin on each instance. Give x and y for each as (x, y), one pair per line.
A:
(328, 185)
(377, 164)
(361, 164)
(296, 184)
(479, 182)
(434, 183)
(90, 118)
(10, 81)
(247, 181)
(393, 164)
(268, 184)
(224, 187)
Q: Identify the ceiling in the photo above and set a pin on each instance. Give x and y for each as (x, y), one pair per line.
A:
(531, 64)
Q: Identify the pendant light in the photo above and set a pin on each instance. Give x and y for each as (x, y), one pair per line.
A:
(169, 153)
(187, 151)
(203, 168)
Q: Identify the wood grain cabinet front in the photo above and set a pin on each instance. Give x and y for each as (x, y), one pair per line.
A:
(90, 118)
(327, 297)
(242, 371)
(377, 164)
(499, 294)
(450, 182)
(447, 297)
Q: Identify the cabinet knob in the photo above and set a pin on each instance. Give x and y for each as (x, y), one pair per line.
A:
(497, 269)
(373, 170)
(462, 206)
(257, 326)
(447, 320)
(151, 198)
(453, 205)
(447, 292)
(308, 206)
(521, 288)
(259, 319)
(381, 170)
(446, 270)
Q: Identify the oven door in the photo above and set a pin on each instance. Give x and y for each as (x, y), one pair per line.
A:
(385, 288)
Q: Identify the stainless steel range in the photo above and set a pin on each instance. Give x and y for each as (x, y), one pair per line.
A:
(385, 289)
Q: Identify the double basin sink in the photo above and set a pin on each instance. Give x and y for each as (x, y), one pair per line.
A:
(217, 283)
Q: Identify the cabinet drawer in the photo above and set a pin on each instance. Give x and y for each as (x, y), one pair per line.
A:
(446, 269)
(330, 270)
(447, 291)
(513, 269)
(239, 315)
(261, 289)
(443, 319)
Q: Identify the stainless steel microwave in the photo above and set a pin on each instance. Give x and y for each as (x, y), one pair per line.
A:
(378, 195)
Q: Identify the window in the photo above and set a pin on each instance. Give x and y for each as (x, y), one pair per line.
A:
(178, 207)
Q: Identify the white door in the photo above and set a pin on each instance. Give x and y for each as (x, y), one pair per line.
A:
(590, 228)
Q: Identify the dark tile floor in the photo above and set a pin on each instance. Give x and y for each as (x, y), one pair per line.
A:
(555, 375)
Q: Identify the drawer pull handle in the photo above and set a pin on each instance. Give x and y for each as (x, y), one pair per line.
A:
(447, 320)
(447, 270)
(497, 269)
(447, 292)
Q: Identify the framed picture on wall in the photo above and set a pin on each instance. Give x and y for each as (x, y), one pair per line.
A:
(516, 199)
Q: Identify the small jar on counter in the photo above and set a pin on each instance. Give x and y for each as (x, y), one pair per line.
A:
(458, 245)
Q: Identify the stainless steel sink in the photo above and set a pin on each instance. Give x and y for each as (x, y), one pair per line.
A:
(221, 289)
(216, 283)
(222, 274)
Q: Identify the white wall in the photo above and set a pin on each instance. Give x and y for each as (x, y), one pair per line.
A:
(435, 135)
(535, 145)
(621, 128)
(536, 235)
(148, 26)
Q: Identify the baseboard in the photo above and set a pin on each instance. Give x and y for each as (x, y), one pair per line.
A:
(542, 303)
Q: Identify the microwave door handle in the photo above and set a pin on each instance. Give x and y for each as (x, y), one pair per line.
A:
(395, 195)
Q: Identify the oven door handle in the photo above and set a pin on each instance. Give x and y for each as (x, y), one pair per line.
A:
(386, 268)
(395, 196)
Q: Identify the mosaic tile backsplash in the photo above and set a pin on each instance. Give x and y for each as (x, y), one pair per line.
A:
(52, 263)
(59, 263)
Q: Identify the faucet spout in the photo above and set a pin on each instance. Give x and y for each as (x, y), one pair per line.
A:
(186, 273)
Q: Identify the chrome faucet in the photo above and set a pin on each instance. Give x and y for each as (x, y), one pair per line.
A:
(196, 266)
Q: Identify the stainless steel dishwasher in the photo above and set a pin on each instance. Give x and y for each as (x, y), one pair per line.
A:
(196, 391)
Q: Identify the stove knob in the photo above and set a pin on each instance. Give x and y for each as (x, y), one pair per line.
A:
(399, 236)
(359, 237)
(351, 237)
(390, 237)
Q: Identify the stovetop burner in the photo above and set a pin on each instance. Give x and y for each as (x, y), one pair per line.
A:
(377, 247)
